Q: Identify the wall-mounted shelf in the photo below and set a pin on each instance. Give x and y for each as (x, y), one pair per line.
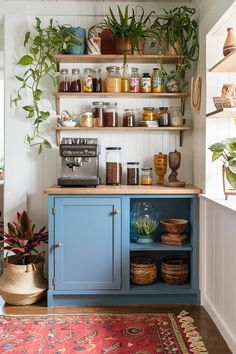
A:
(227, 64)
(181, 130)
(223, 113)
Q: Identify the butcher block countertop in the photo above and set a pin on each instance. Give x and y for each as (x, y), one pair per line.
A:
(123, 189)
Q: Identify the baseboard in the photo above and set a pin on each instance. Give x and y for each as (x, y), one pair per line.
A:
(219, 322)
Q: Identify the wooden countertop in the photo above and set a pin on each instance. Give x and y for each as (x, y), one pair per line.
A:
(124, 189)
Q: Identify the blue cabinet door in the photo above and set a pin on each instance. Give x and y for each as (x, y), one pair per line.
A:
(87, 243)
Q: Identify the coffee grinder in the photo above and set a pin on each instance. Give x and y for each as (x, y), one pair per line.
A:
(80, 162)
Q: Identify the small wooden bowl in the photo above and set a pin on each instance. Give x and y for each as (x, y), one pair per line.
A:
(174, 226)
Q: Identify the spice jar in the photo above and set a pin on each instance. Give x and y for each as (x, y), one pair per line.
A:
(157, 81)
(64, 81)
(75, 85)
(132, 173)
(110, 114)
(149, 113)
(98, 110)
(146, 177)
(128, 118)
(113, 165)
(87, 81)
(125, 79)
(113, 79)
(97, 81)
(176, 119)
(146, 83)
(163, 117)
(134, 81)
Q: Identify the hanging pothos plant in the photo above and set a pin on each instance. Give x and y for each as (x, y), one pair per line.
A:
(40, 62)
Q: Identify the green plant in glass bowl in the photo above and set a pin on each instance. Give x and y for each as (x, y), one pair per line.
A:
(144, 228)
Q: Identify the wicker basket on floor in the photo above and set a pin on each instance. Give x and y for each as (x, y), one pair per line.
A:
(175, 270)
(143, 270)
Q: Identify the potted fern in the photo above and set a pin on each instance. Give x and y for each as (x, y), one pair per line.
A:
(22, 281)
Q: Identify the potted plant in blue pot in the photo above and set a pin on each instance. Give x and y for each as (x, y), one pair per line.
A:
(79, 35)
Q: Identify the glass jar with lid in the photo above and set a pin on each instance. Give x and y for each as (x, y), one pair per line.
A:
(97, 81)
(132, 173)
(146, 177)
(75, 85)
(146, 83)
(87, 81)
(163, 117)
(98, 111)
(149, 113)
(110, 114)
(128, 118)
(176, 119)
(157, 81)
(124, 79)
(113, 79)
(134, 81)
(113, 166)
(64, 81)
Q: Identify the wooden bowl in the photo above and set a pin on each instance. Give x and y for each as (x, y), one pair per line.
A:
(174, 226)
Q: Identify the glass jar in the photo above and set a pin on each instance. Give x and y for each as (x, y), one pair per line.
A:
(163, 117)
(128, 118)
(113, 166)
(87, 81)
(146, 177)
(110, 114)
(176, 119)
(97, 81)
(132, 173)
(134, 81)
(146, 83)
(64, 81)
(157, 81)
(98, 111)
(125, 79)
(75, 85)
(149, 113)
(113, 79)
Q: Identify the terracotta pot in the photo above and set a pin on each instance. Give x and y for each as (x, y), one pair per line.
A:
(22, 284)
(140, 49)
(176, 50)
(123, 46)
(230, 42)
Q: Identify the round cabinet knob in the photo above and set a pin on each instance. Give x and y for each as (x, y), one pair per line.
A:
(116, 211)
(58, 245)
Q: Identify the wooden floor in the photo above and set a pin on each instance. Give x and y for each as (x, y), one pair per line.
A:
(209, 332)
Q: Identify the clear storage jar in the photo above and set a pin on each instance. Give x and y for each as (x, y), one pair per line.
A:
(163, 117)
(113, 79)
(134, 81)
(146, 177)
(64, 81)
(113, 166)
(132, 173)
(97, 81)
(75, 85)
(176, 119)
(149, 113)
(98, 111)
(128, 118)
(110, 115)
(87, 81)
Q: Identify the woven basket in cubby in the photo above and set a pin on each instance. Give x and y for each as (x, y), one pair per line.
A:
(143, 270)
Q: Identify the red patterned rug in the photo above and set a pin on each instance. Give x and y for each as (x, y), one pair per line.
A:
(147, 333)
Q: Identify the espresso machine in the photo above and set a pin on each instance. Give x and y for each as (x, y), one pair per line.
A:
(80, 162)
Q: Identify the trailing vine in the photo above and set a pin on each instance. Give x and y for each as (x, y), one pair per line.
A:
(40, 62)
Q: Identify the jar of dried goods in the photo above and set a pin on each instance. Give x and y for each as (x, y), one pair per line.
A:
(87, 81)
(157, 81)
(132, 173)
(98, 111)
(146, 83)
(113, 165)
(163, 117)
(176, 119)
(75, 85)
(149, 113)
(64, 81)
(97, 81)
(124, 79)
(113, 79)
(146, 177)
(110, 115)
(134, 81)
(128, 118)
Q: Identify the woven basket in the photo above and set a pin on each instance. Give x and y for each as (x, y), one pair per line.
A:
(22, 284)
(175, 270)
(143, 270)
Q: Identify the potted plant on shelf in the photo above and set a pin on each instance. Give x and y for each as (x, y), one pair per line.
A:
(22, 281)
(144, 228)
(226, 150)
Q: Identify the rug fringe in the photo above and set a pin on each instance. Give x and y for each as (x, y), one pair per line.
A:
(193, 337)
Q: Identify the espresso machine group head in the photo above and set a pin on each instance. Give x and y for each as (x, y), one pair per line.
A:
(80, 162)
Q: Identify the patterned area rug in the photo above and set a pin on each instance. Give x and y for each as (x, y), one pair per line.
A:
(147, 333)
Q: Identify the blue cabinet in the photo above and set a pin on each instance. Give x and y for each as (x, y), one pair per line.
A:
(91, 244)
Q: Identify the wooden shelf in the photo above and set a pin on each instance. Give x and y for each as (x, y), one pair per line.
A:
(112, 58)
(223, 113)
(120, 94)
(227, 64)
(181, 130)
(157, 246)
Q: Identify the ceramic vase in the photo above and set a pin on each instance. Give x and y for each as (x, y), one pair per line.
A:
(160, 164)
(79, 33)
(230, 42)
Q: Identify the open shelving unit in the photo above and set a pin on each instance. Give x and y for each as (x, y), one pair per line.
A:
(224, 112)
(227, 64)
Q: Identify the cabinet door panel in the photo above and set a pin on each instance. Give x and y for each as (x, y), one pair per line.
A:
(90, 236)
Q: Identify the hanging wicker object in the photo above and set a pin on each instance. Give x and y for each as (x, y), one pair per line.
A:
(143, 270)
(175, 270)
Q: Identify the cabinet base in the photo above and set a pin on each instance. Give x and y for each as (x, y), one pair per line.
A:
(120, 300)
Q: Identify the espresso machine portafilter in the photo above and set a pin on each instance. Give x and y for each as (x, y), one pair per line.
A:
(80, 162)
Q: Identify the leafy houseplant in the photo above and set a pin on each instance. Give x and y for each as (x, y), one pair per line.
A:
(40, 63)
(145, 228)
(226, 150)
